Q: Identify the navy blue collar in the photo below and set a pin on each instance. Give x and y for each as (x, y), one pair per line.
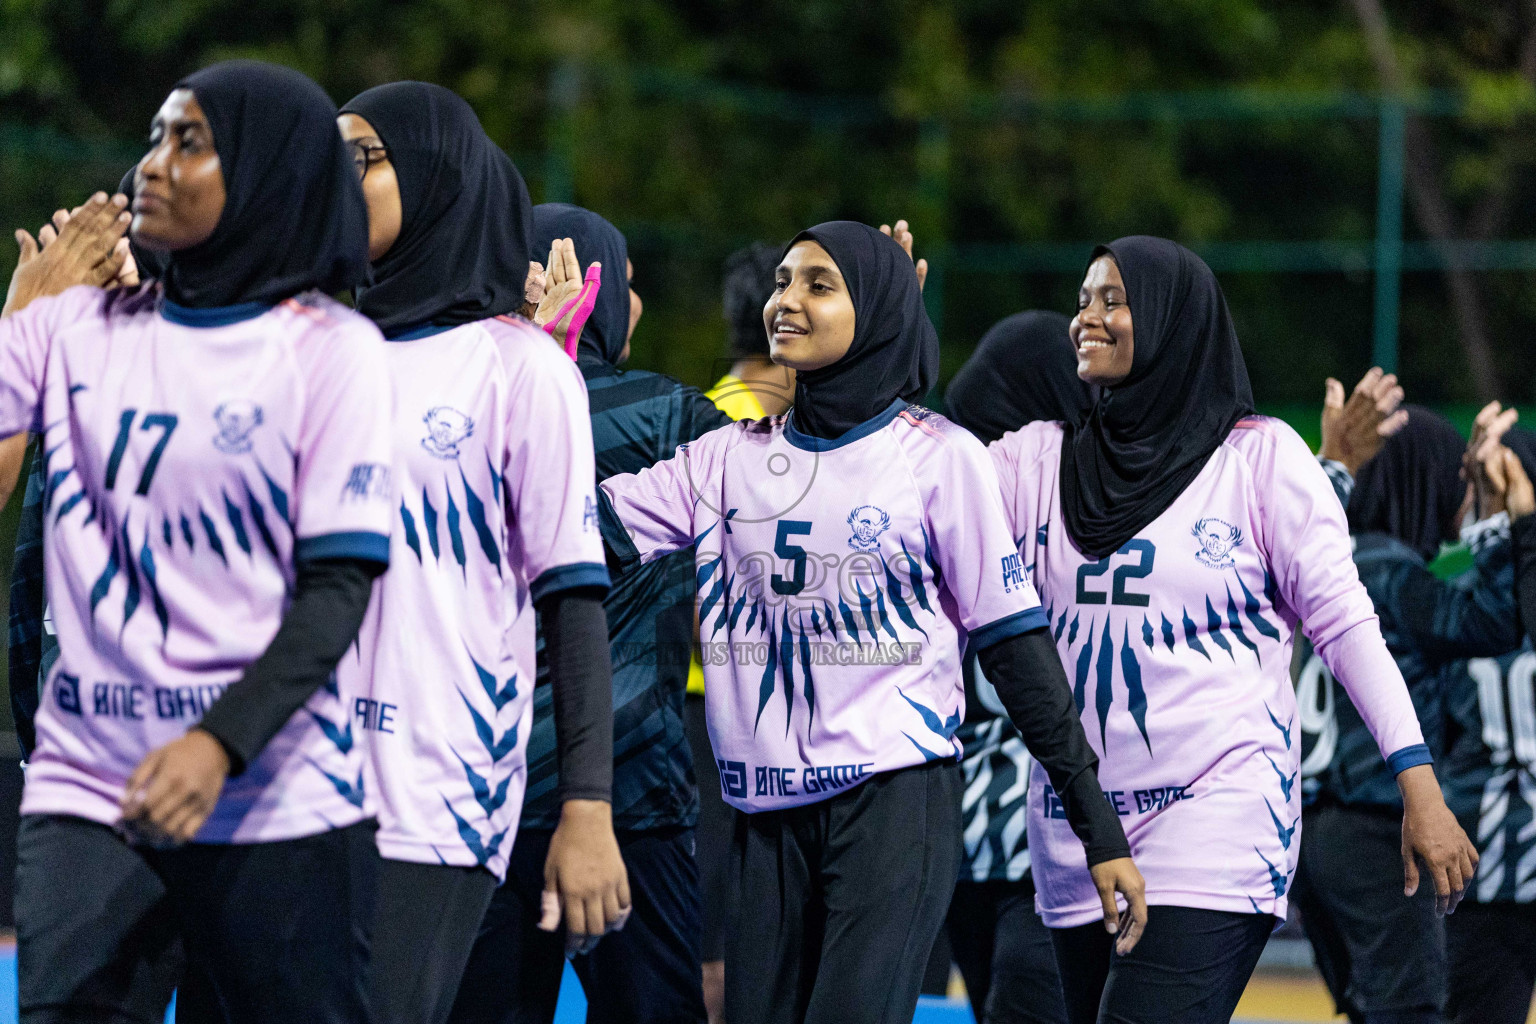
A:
(212, 316)
(419, 331)
(807, 442)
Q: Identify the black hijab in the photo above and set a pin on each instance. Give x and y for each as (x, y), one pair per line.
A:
(895, 350)
(465, 217)
(1148, 437)
(1412, 489)
(1024, 369)
(293, 211)
(596, 241)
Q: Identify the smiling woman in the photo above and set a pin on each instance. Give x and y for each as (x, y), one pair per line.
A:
(1179, 540)
(839, 744)
(810, 316)
(1102, 332)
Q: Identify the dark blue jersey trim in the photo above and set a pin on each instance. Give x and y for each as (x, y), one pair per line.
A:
(418, 332)
(569, 577)
(1009, 626)
(360, 544)
(212, 316)
(1400, 761)
(806, 442)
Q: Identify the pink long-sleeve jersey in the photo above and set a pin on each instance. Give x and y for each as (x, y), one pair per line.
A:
(191, 458)
(1178, 649)
(496, 508)
(838, 581)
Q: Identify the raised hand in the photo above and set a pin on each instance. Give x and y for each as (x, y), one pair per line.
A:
(1483, 463)
(127, 277)
(1353, 431)
(568, 297)
(89, 249)
(1519, 495)
(902, 233)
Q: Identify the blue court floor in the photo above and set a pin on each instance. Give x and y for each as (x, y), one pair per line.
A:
(930, 1010)
(573, 1007)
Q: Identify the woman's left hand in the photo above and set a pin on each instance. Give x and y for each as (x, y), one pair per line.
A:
(1430, 833)
(175, 788)
(1122, 876)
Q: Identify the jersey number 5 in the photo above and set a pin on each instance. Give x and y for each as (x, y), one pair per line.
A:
(1145, 552)
(793, 553)
(165, 422)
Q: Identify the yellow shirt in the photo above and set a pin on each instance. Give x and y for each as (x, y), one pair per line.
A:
(732, 397)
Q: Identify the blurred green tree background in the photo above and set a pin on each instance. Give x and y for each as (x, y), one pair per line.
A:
(699, 125)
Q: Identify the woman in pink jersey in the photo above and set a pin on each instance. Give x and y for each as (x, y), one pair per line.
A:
(496, 516)
(217, 507)
(847, 552)
(1177, 540)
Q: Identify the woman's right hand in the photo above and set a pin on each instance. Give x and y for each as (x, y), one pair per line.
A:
(1122, 876)
(90, 249)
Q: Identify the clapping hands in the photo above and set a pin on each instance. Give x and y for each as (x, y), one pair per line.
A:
(88, 246)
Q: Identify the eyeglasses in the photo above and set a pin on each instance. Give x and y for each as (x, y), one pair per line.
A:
(363, 156)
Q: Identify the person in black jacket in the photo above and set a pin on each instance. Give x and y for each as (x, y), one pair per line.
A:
(651, 970)
(1382, 955)
(1489, 774)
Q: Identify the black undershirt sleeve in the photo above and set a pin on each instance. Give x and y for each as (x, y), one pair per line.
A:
(576, 646)
(1027, 674)
(1523, 533)
(330, 597)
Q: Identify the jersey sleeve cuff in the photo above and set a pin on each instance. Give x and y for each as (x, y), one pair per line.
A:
(359, 544)
(1009, 626)
(569, 577)
(1400, 761)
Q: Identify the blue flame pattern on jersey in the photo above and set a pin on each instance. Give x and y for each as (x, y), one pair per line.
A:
(489, 794)
(341, 739)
